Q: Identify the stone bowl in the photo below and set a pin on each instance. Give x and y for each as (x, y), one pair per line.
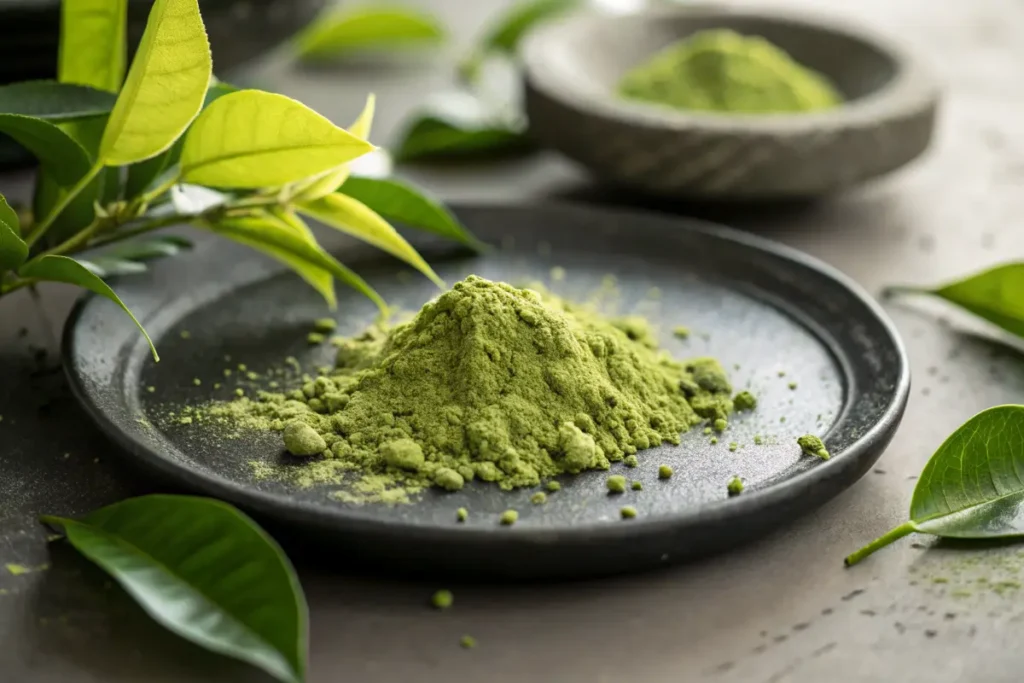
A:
(572, 67)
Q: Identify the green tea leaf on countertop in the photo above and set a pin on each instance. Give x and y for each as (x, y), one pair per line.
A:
(266, 232)
(54, 101)
(54, 268)
(509, 29)
(352, 217)
(461, 126)
(255, 139)
(165, 88)
(345, 30)
(13, 250)
(93, 44)
(205, 571)
(997, 295)
(402, 203)
(972, 486)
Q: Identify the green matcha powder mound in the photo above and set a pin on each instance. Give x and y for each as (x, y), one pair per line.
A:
(726, 72)
(490, 382)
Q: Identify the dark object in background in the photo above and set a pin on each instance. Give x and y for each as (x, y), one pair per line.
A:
(239, 30)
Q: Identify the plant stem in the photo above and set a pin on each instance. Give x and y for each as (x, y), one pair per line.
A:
(79, 239)
(16, 285)
(160, 189)
(154, 224)
(880, 542)
(40, 228)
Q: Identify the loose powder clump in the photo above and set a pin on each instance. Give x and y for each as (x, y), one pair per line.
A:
(488, 382)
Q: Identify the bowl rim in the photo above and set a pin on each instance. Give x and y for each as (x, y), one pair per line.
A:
(911, 89)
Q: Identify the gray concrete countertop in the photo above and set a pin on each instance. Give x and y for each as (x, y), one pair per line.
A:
(781, 610)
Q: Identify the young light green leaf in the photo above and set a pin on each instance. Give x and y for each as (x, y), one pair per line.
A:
(972, 486)
(54, 101)
(344, 31)
(52, 268)
(205, 571)
(59, 153)
(165, 87)
(461, 126)
(93, 44)
(997, 295)
(13, 250)
(264, 232)
(316, 277)
(254, 139)
(352, 217)
(509, 29)
(402, 203)
(330, 181)
(144, 175)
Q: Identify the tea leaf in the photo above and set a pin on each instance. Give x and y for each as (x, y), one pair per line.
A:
(517, 22)
(80, 211)
(204, 571)
(105, 267)
(317, 278)
(349, 30)
(9, 216)
(13, 250)
(352, 217)
(506, 33)
(59, 153)
(93, 46)
(972, 486)
(254, 139)
(997, 295)
(263, 232)
(54, 101)
(402, 203)
(165, 87)
(145, 174)
(148, 250)
(51, 268)
(460, 126)
(330, 181)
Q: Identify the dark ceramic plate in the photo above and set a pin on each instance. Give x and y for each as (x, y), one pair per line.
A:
(760, 307)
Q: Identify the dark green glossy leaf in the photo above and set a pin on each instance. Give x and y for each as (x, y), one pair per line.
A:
(59, 152)
(997, 295)
(9, 216)
(266, 233)
(402, 203)
(64, 269)
(461, 126)
(149, 250)
(13, 250)
(345, 30)
(973, 487)
(105, 267)
(205, 571)
(54, 101)
(75, 216)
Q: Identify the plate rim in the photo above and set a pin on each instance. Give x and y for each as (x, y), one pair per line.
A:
(734, 509)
